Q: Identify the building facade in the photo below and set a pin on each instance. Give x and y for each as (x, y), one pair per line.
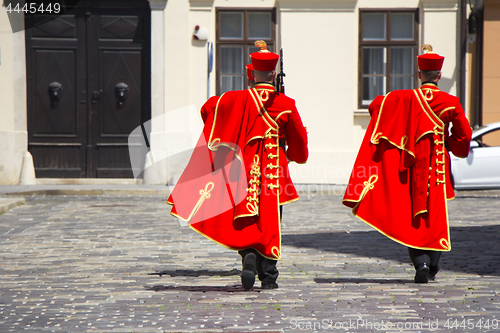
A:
(168, 57)
(490, 68)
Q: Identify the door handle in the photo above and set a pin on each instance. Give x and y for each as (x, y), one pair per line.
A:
(121, 94)
(55, 93)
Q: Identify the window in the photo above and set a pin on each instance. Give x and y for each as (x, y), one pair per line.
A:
(387, 52)
(237, 30)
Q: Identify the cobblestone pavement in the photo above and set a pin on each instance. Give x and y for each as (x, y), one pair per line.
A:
(123, 264)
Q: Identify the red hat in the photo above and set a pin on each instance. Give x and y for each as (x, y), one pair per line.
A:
(249, 72)
(429, 61)
(264, 60)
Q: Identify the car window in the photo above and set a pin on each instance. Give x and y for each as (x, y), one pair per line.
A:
(490, 139)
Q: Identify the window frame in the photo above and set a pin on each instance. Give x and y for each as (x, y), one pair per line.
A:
(245, 41)
(387, 44)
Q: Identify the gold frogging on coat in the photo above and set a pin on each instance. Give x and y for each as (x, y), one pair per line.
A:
(271, 156)
(214, 144)
(264, 95)
(440, 152)
(368, 185)
(404, 141)
(428, 94)
(204, 194)
(254, 187)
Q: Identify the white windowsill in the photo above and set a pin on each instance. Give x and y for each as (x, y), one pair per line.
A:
(361, 113)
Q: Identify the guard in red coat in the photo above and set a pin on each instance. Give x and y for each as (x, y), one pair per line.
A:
(401, 177)
(237, 178)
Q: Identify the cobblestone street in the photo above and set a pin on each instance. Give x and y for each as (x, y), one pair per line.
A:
(123, 264)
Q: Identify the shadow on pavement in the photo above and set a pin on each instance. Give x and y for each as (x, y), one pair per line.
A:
(361, 280)
(474, 249)
(197, 273)
(203, 289)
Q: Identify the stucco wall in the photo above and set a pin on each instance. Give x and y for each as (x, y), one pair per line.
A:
(491, 69)
(321, 68)
(13, 132)
(320, 42)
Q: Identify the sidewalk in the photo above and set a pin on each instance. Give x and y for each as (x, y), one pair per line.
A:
(110, 190)
(121, 263)
(12, 196)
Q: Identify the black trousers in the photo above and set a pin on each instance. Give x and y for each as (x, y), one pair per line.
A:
(418, 257)
(267, 271)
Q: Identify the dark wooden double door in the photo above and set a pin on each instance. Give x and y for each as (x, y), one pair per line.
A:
(88, 84)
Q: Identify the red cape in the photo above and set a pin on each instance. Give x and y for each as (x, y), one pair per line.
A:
(398, 181)
(232, 186)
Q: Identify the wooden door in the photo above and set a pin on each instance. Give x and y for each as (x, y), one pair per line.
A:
(88, 85)
(57, 127)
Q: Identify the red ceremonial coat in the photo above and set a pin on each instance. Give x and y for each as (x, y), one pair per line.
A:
(208, 108)
(238, 174)
(401, 177)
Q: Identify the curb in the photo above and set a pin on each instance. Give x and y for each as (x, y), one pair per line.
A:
(93, 192)
(494, 193)
(7, 204)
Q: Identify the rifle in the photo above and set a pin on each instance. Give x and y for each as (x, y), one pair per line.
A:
(280, 84)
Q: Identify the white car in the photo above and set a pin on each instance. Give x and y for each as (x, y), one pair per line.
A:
(481, 169)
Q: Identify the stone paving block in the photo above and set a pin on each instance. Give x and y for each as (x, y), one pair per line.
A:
(122, 264)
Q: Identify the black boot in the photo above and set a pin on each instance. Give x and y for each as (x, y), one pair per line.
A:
(433, 270)
(421, 274)
(269, 285)
(248, 274)
(421, 261)
(433, 267)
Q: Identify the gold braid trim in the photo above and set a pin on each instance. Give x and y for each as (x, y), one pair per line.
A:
(445, 244)
(404, 141)
(204, 194)
(253, 190)
(369, 185)
(276, 251)
(376, 138)
(214, 144)
(440, 144)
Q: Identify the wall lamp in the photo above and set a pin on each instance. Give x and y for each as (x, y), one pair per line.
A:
(200, 33)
